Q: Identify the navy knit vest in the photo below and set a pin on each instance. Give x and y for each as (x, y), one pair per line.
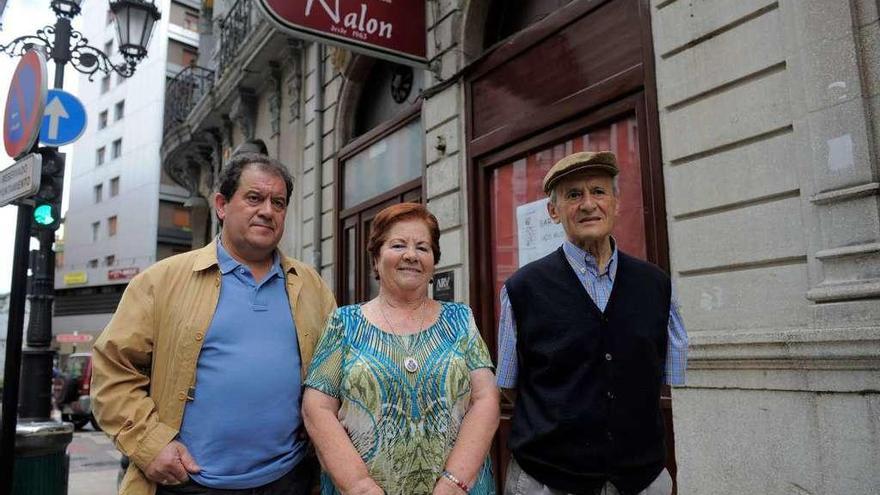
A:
(588, 387)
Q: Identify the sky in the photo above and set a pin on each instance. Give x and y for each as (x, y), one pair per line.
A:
(25, 17)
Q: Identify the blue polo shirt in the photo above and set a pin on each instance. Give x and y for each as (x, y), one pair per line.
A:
(241, 425)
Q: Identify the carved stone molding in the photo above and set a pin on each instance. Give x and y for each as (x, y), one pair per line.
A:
(244, 112)
(275, 98)
(293, 85)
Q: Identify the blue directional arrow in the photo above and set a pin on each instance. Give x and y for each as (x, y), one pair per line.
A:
(64, 119)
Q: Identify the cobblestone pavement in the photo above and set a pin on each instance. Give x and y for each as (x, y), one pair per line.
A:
(94, 464)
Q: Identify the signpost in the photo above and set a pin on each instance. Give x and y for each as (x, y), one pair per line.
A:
(64, 119)
(393, 30)
(73, 338)
(24, 104)
(20, 180)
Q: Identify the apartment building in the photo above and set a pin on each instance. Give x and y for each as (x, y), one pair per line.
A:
(125, 213)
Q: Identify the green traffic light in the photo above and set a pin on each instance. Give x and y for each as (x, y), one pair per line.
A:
(43, 215)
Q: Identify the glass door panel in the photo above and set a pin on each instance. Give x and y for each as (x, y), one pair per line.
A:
(520, 227)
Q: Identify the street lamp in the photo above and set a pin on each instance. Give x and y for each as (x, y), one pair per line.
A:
(135, 20)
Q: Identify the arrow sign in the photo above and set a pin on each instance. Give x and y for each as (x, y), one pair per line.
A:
(64, 119)
(54, 111)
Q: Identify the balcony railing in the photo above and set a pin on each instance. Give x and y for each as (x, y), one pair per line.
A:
(234, 30)
(184, 91)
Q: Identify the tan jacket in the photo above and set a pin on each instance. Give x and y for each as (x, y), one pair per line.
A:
(145, 360)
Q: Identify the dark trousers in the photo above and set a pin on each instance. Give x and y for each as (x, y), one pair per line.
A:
(298, 481)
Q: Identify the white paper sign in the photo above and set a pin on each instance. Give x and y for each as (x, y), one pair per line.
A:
(537, 235)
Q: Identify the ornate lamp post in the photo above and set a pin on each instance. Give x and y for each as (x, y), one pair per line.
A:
(38, 436)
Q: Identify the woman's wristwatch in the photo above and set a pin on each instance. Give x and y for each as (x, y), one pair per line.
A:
(455, 481)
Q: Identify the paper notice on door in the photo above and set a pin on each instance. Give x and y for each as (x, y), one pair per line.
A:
(537, 235)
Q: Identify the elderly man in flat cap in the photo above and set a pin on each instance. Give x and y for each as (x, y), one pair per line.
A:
(588, 335)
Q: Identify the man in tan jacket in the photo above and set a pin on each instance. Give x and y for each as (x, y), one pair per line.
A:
(197, 378)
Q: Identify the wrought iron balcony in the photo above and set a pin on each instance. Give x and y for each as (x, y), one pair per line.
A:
(184, 91)
(235, 27)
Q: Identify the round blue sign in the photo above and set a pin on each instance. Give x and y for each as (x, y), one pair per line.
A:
(64, 119)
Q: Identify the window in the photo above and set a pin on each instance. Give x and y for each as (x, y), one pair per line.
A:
(190, 56)
(183, 16)
(114, 187)
(117, 148)
(119, 110)
(96, 226)
(102, 119)
(110, 260)
(173, 216)
(390, 135)
(93, 263)
(99, 193)
(105, 84)
(111, 226)
(120, 79)
(191, 21)
(108, 48)
(109, 19)
(181, 54)
(100, 155)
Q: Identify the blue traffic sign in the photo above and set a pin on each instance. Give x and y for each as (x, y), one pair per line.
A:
(64, 119)
(24, 104)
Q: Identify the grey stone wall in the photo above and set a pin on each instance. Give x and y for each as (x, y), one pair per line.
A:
(769, 134)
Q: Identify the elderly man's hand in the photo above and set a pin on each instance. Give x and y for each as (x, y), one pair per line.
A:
(172, 465)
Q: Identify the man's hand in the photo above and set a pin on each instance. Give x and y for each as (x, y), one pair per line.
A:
(172, 465)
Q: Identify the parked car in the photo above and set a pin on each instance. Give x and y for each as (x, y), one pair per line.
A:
(70, 390)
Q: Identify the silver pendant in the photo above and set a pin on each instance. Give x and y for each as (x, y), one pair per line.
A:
(410, 364)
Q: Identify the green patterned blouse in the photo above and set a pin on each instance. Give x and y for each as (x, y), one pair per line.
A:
(402, 424)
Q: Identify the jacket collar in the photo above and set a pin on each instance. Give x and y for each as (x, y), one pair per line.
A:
(206, 257)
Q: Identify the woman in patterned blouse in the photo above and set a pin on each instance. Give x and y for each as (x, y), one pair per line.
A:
(400, 396)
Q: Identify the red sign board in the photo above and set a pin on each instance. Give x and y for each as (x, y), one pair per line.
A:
(388, 29)
(73, 338)
(122, 273)
(25, 103)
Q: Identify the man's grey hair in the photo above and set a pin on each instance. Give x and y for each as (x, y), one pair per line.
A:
(615, 189)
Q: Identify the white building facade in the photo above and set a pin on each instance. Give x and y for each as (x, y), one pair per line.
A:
(124, 214)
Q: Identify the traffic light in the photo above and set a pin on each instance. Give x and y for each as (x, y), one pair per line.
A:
(47, 200)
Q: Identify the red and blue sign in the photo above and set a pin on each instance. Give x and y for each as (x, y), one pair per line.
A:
(25, 104)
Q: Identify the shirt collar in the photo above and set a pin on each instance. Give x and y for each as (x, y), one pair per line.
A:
(580, 259)
(227, 263)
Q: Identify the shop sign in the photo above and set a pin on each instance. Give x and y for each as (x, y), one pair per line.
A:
(122, 273)
(444, 286)
(73, 338)
(393, 30)
(75, 278)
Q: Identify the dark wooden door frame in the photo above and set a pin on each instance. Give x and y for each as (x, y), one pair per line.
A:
(631, 91)
(342, 214)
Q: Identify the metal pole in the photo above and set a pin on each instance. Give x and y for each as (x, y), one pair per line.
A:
(35, 402)
(13, 346)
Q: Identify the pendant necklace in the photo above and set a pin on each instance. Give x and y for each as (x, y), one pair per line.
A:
(410, 363)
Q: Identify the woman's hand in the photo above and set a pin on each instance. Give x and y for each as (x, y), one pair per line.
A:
(446, 487)
(365, 486)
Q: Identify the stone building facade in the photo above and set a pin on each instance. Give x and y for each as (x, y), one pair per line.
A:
(748, 136)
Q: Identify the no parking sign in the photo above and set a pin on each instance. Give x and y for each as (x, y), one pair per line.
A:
(25, 103)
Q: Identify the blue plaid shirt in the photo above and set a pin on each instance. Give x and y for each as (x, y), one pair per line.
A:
(598, 286)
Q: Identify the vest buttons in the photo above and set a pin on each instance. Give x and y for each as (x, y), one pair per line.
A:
(181, 396)
(199, 336)
(610, 394)
(609, 435)
(604, 320)
(607, 356)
